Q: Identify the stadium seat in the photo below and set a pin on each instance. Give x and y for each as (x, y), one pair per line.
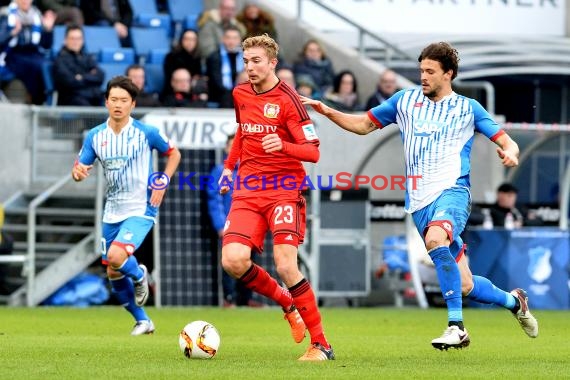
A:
(155, 20)
(157, 56)
(47, 74)
(154, 78)
(143, 6)
(180, 9)
(99, 37)
(111, 70)
(147, 39)
(122, 55)
(58, 38)
(191, 21)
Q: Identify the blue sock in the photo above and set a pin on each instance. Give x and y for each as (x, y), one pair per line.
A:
(124, 290)
(131, 268)
(449, 281)
(485, 291)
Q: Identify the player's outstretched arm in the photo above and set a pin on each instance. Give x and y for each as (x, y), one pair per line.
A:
(355, 123)
(508, 150)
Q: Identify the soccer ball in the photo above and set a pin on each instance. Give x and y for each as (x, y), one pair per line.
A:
(199, 340)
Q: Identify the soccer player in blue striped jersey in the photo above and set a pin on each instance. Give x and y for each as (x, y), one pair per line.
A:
(437, 128)
(124, 148)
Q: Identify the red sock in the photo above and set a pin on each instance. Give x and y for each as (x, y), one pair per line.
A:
(258, 280)
(306, 303)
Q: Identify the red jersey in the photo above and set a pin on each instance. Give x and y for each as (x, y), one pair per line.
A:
(279, 111)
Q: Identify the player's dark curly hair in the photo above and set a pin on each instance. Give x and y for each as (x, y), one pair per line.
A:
(123, 82)
(443, 53)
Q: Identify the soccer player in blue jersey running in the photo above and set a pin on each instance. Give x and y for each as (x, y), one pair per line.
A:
(437, 128)
(124, 147)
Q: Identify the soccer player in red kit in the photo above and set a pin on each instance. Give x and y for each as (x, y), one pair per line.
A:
(274, 136)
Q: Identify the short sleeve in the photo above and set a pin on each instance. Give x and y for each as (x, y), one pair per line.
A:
(158, 140)
(87, 154)
(484, 122)
(385, 113)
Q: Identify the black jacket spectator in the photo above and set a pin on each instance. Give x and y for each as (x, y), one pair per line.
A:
(184, 55)
(94, 15)
(78, 79)
(315, 64)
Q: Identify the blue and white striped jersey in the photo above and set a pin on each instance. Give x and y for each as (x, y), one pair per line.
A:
(437, 139)
(126, 159)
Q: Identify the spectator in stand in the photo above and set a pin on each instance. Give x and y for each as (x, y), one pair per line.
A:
(137, 75)
(182, 94)
(315, 63)
(285, 74)
(306, 87)
(344, 94)
(67, 11)
(223, 66)
(24, 33)
(77, 77)
(257, 21)
(115, 13)
(387, 86)
(212, 24)
(505, 212)
(185, 54)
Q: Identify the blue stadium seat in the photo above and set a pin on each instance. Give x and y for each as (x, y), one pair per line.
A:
(121, 55)
(147, 39)
(99, 37)
(157, 56)
(154, 20)
(395, 253)
(143, 6)
(179, 9)
(111, 70)
(154, 77)
(191, 21)
(58, 39)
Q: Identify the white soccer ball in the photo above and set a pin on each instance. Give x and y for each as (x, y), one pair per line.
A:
(199, 340)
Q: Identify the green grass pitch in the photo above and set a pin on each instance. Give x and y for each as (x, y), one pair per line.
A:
(370, 343)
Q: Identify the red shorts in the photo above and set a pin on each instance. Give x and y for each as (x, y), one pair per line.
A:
(249, 220)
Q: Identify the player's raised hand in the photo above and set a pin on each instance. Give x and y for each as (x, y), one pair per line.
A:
(225, 181)
(508, 158)
(272, 143)
(317, 105)
(80, 171)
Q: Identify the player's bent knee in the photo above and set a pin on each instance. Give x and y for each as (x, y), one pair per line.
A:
(287, 269)
(236, 259)
(116, 256)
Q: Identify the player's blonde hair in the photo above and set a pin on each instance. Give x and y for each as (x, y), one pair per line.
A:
(263, 41)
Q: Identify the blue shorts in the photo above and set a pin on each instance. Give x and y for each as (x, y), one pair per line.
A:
(450, 211)
(129, 234)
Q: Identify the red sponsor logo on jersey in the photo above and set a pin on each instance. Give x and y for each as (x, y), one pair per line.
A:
(104, 143)
(271, 110)
(418, 104)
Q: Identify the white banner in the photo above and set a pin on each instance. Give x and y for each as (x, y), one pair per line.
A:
(196, 129)
(454, 17)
